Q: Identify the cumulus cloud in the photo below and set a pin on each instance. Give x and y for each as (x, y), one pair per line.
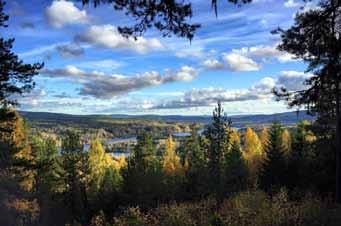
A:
(61, 13)
(263, 51)
(105, 86)
(239, 62)
(261, 90)
(70, 50)
(293, 80)
(213, 64)
(108, 36)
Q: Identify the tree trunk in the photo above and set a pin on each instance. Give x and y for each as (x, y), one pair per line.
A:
(338, 145)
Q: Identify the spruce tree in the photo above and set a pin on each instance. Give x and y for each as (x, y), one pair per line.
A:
(273, 171)
(217, 135)
(196, 170)
(143, 174)
(235, 175)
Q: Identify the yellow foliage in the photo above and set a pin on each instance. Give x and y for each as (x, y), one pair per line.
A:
(234, 137)
(264, 137)
(14, 135)
(253, 154)
(171, 161)
(286, 140)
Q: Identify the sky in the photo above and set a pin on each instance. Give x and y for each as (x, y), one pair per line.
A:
(91, 69)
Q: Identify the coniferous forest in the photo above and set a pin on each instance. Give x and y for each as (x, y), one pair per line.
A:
(273, 175)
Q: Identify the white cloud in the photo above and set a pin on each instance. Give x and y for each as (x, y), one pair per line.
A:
(293, 80)
(106, 86)
(263, 51)
(291, 4)
(106, 64)
(61, 13)
(260, 91)
(239, 62)
(213, 64)
(108, 36)
(190, 52)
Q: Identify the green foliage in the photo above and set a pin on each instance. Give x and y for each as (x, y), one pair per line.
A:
(16, 77)
(273, 172)
(217, 135)
(196, 167)
(74, 165)
(143, 175)
(235, 175)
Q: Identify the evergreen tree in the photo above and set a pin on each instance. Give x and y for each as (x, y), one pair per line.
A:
(143, 174)
(273, 172)
(74, 174)
(217, 135)
(15, 77)
(235, 168)
(253, 155)
(196, 170)
(315, 38)
(17, 173)
(300, 164)
(47, 180)
(16, 156)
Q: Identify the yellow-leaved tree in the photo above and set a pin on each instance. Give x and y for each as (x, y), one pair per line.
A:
(171, 161)
(15, 149)
(264, 137)
(234, 137)
(286, 141)
(100, 163)
(253, 154)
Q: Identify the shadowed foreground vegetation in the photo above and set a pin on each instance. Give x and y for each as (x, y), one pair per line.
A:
(223, 176)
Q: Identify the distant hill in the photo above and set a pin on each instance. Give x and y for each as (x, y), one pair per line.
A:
(286, 118)
(97, 121)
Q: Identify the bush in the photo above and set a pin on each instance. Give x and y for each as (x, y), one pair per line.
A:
(253, 208)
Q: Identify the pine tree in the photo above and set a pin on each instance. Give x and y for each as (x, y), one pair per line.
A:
(315, 38)
(273, 172)
(47, 181)
(74, 164)
(15, 77)
(217, 135)
(253, 155)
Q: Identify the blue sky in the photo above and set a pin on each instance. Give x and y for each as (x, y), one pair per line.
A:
(91, 69)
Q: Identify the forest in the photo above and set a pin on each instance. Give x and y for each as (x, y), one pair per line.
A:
(275, 176)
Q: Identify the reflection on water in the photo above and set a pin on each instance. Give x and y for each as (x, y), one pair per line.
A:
(121, 140)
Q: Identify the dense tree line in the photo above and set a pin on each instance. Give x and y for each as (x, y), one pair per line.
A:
(67, 184)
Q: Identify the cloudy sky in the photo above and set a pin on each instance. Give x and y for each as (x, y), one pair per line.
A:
(90, 68)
